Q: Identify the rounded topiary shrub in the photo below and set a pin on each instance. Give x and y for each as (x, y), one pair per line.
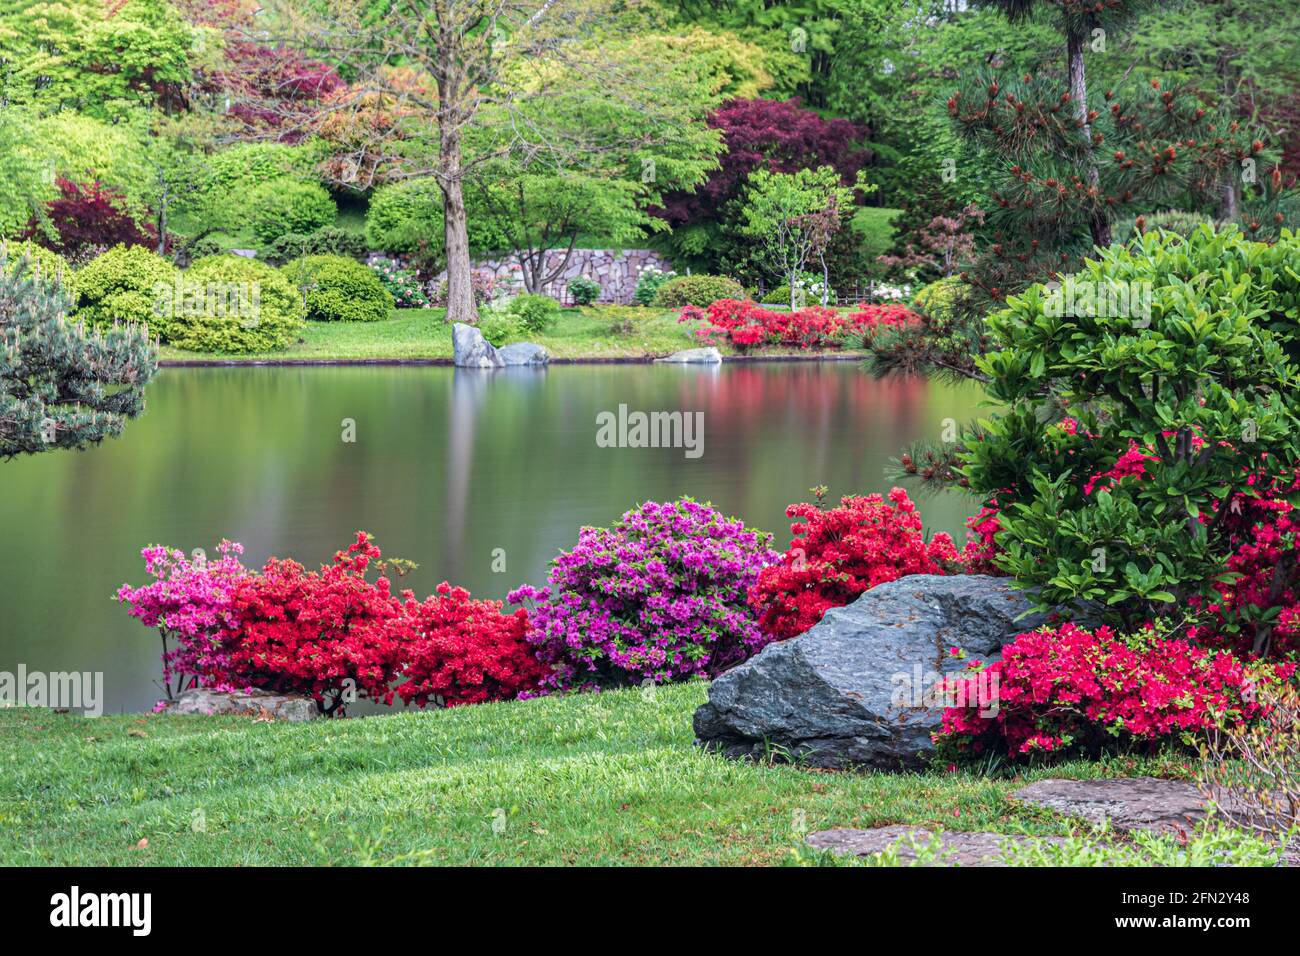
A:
(401, 214)
(125, 284)
(698, 290)
(336, 289)
(659, 596)
(228, 303)
(43, 264)
(286, 206)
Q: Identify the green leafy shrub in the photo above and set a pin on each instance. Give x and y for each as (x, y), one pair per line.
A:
(402, 215)
(327, 241)
(583, 291)
(701, 290)
(123, 285)
(1146, 400)
(337, 289)
(1172, 220)
(286, 206)
(229, 303)
(535, 314)
(43, 264)
(498, 326)
(648, 281)
(939, 300)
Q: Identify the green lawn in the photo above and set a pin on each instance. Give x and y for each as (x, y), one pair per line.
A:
(422, 334)
(601, 778)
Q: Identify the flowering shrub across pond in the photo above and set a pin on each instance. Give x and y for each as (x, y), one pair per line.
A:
(659, 596)
(1067, 689)
(748, 325)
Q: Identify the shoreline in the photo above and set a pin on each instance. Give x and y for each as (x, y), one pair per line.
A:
(447, 362)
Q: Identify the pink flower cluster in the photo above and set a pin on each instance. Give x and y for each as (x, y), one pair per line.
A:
(191, 600)
(1068, 689)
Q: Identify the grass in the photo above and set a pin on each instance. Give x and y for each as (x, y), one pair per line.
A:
(611, 778)
(421, 334)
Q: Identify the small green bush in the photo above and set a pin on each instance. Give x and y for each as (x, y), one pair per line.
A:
(124, 285)
(701, 290)
(337, 289)
(535, 313)
(497, 325)
(286, 206)
(648, 281)
(583, 291)
(328, 241)
(228, 303)
(45, 264)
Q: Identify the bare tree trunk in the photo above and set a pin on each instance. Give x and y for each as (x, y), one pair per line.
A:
(460, 286)
(1098, 221)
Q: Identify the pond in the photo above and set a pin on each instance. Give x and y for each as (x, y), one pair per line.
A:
(459, 471)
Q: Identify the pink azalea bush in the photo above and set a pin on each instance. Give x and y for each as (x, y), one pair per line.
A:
(191, 602)
(659, 596)
(1067, 689)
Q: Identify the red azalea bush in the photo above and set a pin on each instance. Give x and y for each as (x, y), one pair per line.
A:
(746, 324)
(463, 651)
(1067, 689)
(323, 633)
(839, 553)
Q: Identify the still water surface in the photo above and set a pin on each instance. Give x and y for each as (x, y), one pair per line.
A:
(447, 466)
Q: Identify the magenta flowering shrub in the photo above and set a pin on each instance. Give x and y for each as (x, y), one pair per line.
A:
(191, 602)
(659, 596)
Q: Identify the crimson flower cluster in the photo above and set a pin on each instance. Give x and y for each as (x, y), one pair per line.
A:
(1067, 689)
(313, 632)
(747, 325)
(462, 651)
(839, 553)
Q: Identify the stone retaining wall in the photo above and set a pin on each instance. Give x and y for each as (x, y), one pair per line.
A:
(615, 270)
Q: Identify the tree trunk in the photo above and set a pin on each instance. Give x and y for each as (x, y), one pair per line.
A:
(1098, 220)
(460, 285)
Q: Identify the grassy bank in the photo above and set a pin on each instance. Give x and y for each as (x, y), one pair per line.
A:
(591, 333)
(592, 779)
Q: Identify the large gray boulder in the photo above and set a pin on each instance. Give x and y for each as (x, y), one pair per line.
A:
(471, 350)
(852, 690)
(524, 353)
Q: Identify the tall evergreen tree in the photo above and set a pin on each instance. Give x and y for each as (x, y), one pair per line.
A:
(62, 385)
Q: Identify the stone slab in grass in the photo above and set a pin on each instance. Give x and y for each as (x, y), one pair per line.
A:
(955, 848)
(254, 703)
(1130, 803)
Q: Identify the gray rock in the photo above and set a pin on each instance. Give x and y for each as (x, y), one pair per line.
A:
(954, 849)
(1130, 803)
(705, 356)
(291, 707)
(523, 353)
(471, 350)
(852, 690)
